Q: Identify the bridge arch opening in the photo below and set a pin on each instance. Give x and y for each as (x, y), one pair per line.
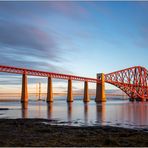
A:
(36, 87)
(113, 92)
(59, 87)
(10, 86)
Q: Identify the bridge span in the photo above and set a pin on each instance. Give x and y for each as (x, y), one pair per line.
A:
(133, 81)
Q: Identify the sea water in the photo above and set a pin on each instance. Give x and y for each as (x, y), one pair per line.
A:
(115, 112)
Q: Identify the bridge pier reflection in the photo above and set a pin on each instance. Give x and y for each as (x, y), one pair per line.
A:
(24, 109)
(69, 112)
(49, 110)
(86, 113)
(101, 113)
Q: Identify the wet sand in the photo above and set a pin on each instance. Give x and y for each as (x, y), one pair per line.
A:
(34, 132)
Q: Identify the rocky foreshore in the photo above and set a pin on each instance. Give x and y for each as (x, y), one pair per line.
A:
(34, 132)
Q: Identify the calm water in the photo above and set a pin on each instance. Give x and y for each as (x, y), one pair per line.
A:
(114, 112)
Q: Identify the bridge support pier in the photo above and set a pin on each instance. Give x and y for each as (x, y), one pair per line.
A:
(100, 89)
(24, 95)
(86, 95)
(139, 99)
(49, 90)
(69, 93)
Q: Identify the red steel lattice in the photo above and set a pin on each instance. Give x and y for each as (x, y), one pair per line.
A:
(133, 81)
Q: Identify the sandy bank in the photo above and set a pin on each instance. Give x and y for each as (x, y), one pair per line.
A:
(33, 132)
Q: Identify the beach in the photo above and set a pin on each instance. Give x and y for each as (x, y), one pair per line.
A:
(39, 132)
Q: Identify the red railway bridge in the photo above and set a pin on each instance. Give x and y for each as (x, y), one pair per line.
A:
(133, 81)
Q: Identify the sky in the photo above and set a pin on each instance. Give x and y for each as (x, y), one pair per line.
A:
(76, 37)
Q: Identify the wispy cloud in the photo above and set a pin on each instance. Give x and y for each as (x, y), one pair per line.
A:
(27, 46)
(26, 38)
(25, 42)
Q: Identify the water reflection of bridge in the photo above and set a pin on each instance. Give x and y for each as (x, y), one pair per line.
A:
(100, 112)
(126, 113)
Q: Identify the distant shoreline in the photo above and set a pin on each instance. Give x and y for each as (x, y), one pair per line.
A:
(12, 97)
(34, 132)
(60, 94)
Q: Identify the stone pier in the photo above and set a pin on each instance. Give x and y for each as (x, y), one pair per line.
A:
(86, 95)
(69, 93)
(24, 95)
(49, 90)
(100, 89)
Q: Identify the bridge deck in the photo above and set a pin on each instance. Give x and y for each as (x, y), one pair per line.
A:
(10, 69)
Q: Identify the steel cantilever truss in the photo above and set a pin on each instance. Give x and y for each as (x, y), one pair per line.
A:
(133, 81)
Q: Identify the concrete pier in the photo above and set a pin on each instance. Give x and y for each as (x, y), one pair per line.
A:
(24, 95)
(86, 95)
(100, 89)
(69, 93)
(49, 90)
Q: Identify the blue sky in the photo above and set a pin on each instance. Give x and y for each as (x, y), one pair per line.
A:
(80, 38)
